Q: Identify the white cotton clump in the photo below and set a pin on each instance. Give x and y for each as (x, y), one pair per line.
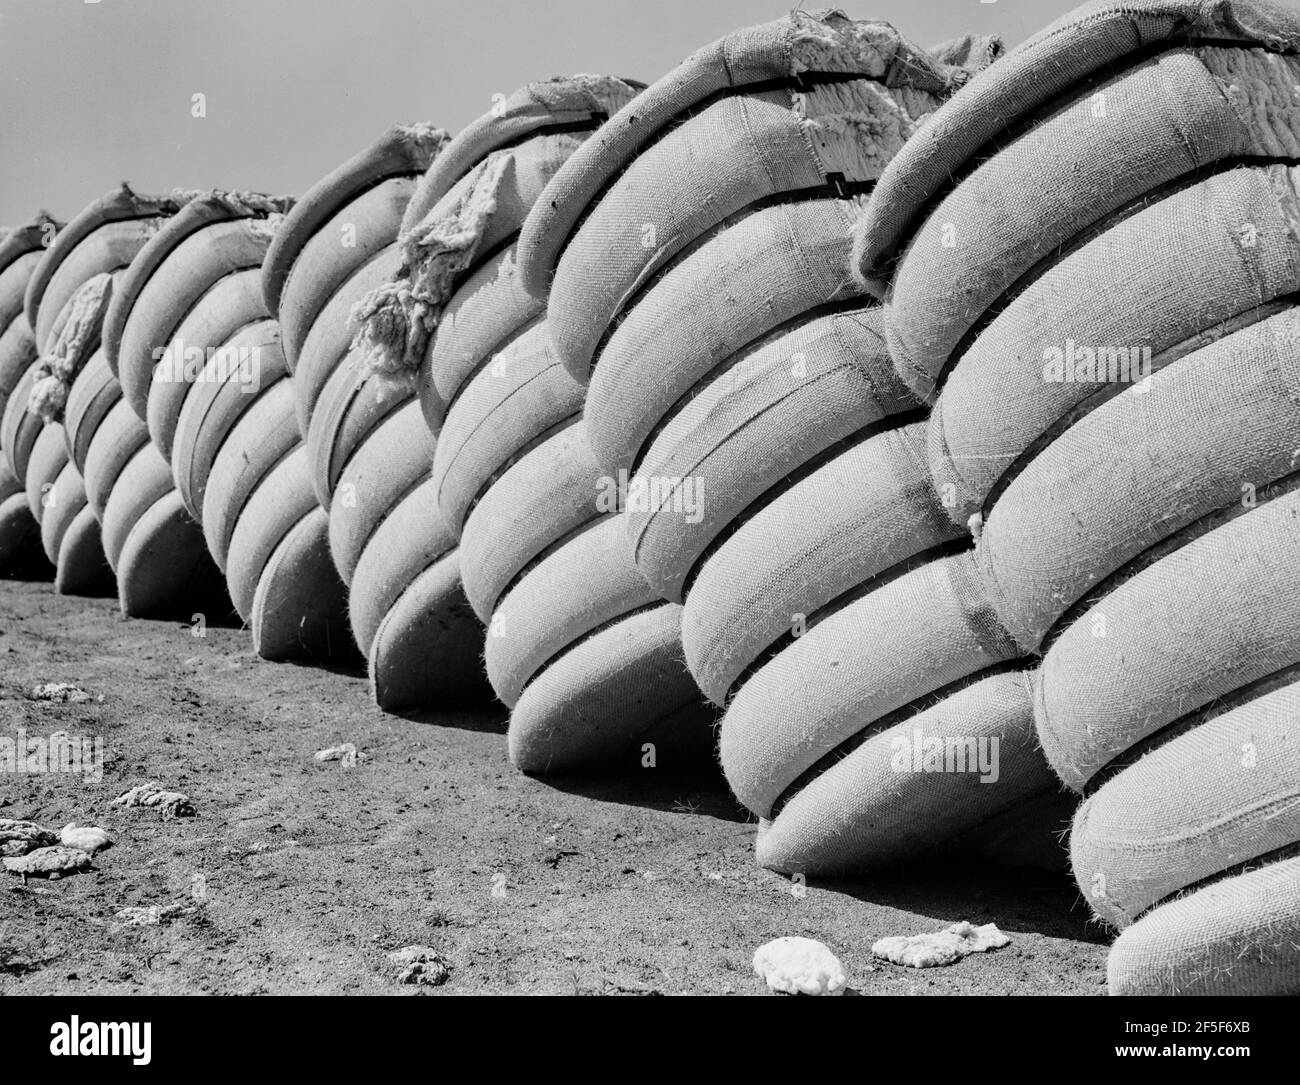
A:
(567, 94)
(829, 41)
(1261, 89)
(173, 804)
(345, 753)
(975, 525)
(856, 128)
(49, 862)
(60, 693)
(945, 947)
(87, 838)
(799, 966)
(394, 322)
(76, 341)
(19, 837)
(155, 914)
(420, 965)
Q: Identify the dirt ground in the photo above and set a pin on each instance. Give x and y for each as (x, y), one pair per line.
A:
(312, 873)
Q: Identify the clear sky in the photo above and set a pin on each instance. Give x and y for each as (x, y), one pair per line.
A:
(93, 92)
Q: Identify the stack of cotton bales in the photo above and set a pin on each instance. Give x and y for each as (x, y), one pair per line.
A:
(1102, 305)
(365, 445)
(578, 646)
(199, 360)
(697, 254)
(20, 252)
(100, 492)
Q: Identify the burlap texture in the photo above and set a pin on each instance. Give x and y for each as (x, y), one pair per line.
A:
(427, 650)
(402, 151)
(257, 442)
(1202, 622)
(1199, 257)
(1206, 801)
(387, 467)
(917, 634)
(586, 583)
(778, 407)
(1210, 432)
(350, 238)
(853, 519)
(874, 807)
(231, 303)
(1130, 135)
(1096, 36)
(330, 339)
(777, 263)
(278, 502)
(732, 154)
(408, 540)
(613, 701)
(300, 607)
(144, 480)
(1233, 937)
(798, 48)
(547, 495)
(171, 293)
(507, 408)
(487, 311)
(216, 403)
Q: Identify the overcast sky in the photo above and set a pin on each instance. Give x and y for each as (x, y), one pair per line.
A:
(93, 92)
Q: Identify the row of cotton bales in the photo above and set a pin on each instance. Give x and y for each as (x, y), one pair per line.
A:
(913, 428)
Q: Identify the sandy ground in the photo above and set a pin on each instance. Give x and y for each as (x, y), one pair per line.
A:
(311, 873)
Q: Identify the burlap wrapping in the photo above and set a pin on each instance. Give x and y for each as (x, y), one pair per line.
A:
(586, 583)
(256, 443)
(488, 309)
(618, 701)
(1219, 795)
(163, 568)
(507, 408)
(349, 239)
(1210, 432)
(1141, 129)
(120, 436)
(387, 467)
(853, 519)
(428, 649)
(917, 634)
(164, 302)
(723, 159)
(878, 805)
(404, 150)
(300, 606)
(350, 409)
(1233, 937)
(574, 103)
(230, 304)
(803, 48)
(1199, 257)
(330, 339)
(217, 401)
(281, 499)
(777, 408)
(1097, 37)
(92, 395)
(536, 504)
(1202, 622)
(18, 427)
(144, 480)
(777, 263)
(104, 236)
(408, 540)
